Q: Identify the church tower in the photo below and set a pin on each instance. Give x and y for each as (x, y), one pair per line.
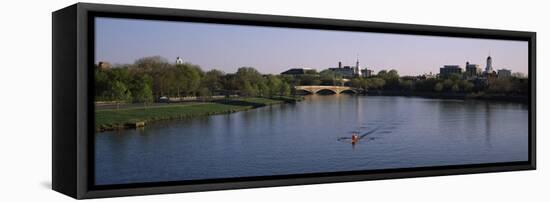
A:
(357, 69)
(489, 67)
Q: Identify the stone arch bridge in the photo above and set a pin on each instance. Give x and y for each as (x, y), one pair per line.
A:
(329, 89)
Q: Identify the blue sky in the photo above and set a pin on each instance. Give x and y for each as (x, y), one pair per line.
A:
(273, 49)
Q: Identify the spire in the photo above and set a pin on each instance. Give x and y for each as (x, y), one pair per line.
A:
(357, 69)
(489, 67)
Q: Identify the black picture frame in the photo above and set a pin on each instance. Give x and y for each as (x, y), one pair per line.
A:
(72, 99)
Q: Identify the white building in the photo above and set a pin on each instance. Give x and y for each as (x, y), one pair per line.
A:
(357, 69)
(489, 67)
(179, 61)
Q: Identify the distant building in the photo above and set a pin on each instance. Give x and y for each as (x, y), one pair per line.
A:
(472, 70)
(448, 70)
(518, 75)
(411, 78)
(357, 69)
(347, 71)
(504, 73)
(425, 76)
(104, 65)
(429, 76)
(367, 72)
(179, 61)
(299, 71)
(489, 67)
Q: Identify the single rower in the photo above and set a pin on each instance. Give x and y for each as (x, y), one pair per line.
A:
(354, 138)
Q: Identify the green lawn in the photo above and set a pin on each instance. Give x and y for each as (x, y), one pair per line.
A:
(112, 118)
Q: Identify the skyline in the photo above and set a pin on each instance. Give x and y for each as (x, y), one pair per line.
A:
(274, 50)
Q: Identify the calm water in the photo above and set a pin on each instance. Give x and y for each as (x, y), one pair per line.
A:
(307, 137)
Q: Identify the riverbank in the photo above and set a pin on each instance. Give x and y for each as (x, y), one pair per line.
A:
(112, 119)
(459, 96)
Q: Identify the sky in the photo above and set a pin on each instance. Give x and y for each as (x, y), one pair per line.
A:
(275, 49)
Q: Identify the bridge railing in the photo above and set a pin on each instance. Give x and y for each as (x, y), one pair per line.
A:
(317, 88)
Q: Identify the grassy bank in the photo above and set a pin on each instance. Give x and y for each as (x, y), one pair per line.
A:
(111, 119)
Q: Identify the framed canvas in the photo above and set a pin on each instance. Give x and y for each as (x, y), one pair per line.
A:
(156, 100)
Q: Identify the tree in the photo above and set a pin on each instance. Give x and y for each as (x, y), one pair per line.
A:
(102, 85)
(212, 80)
(375, 83)
(407, 85)
(180, 82)
(274, 85)
(359, 83)
(382, 73)
(356, 82)
(144, 94)
(393, 74)
(448, 84)
(151, 63)
(503, 85)
(455, 76)
(248, 74)
(284, 89)
(309, 80)
(187, 79)
(204, 93)
(231, 83)
(249, 90)
(163, 81)
(520, 85)
(119, 93)
(263, 89)
(247, 80)
(121, 74)
(392, 80)
(466, 86)
(141, 89)
(438, 87)
(293, 92)
(329, 77)
(455, 88)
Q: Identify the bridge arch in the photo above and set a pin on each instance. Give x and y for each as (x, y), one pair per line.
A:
(326, 91)
(348, 91)
(304, 92)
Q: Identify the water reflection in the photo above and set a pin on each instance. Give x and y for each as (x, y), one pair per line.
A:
(313, 136)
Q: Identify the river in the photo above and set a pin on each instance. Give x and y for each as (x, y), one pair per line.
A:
(310, 137)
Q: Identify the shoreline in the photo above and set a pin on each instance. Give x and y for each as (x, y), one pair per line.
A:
(112, 119)
(457, 96)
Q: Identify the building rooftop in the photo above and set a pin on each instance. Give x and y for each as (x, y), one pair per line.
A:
(297, 71)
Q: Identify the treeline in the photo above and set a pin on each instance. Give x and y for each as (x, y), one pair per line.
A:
(391, 81)
(153, 77)
(150, 78)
